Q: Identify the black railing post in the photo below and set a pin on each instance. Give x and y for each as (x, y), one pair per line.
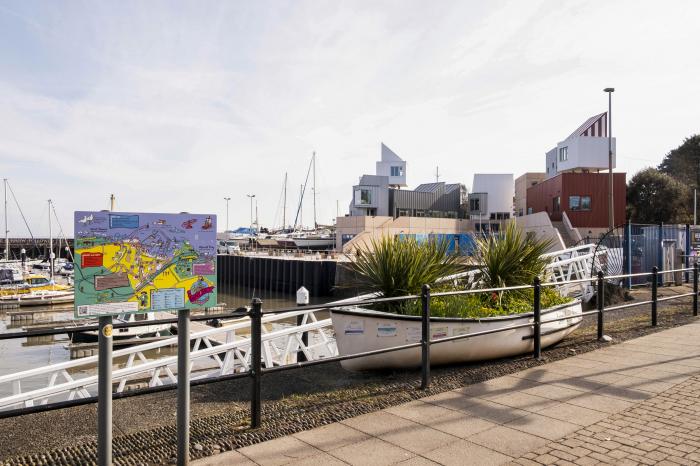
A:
(537, 327)
(255, 361)
(695, 289)
(600, 301)
(654, 290)
(425, 337)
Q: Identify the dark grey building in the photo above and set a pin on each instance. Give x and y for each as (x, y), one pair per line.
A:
(429, 200)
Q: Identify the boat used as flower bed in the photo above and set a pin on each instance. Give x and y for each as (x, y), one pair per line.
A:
(359, 330)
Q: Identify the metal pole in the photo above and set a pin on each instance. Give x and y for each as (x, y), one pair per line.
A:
(104, 392)
(425, 338)
(695, 289)
(315, 222)
(51, 255)
(611, 205)
(255, 362)
(600, 301)
(654, 287)
(695, 206)
(227, 199)
(7, 239)
(183, 387)
(629, 255)
(687, 252)
(537, 327)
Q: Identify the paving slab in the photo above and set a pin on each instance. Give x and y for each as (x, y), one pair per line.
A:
(624, 404)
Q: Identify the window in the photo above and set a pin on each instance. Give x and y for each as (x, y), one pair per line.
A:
(585, 202)
(474, 204)
(529, 210)
(556, 202)
(396, 171)
(575, 202)
(404, 213)
(363, 197)
(499, 216)
(580, 203)
(563, 154)
(420, 213)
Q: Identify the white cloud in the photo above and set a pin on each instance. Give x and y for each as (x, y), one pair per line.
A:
(173, 107)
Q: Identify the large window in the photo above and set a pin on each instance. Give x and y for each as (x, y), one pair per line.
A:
(396, 171)
(563, 154)
(404, 213)
(363, 196)
(556, 203)
(579, 203)
(474, 204)
(499, 216)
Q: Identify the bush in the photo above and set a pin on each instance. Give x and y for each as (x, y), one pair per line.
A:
(480, 305)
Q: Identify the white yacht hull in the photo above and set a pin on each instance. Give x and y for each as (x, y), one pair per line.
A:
(360, 330)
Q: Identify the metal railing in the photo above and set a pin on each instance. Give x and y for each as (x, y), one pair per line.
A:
(256, 344)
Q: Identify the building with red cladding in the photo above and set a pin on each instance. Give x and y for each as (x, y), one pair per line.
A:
(577, 179)
(583, 196)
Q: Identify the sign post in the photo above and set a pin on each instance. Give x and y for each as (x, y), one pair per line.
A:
(104, 392)
(183, 387)
(137, 263)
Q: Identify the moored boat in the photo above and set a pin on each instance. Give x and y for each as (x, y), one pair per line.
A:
(39, 298)
(359, 330)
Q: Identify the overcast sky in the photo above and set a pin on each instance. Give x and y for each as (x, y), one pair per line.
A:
(173, 106)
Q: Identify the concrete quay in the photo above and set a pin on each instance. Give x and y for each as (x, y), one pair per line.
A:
(631, 403)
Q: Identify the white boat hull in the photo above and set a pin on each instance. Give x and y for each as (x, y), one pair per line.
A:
(361, 330)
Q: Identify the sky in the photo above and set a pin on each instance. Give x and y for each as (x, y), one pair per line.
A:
(173, 106)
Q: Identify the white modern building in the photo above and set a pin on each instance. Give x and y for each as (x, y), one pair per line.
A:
(584, 151)
(492, 196)
(392, 166)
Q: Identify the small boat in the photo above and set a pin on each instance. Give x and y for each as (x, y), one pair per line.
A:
(39, 298)
(359, 330)
(154, 330)
(30, 283)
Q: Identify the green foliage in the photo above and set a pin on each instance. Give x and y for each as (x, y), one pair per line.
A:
(395, 266)
(683, 162)
(483, 305)
(510, 258)
(654, 196)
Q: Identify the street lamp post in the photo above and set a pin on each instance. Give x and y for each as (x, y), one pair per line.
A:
(227, 199)
(251, 196)
(611, 211)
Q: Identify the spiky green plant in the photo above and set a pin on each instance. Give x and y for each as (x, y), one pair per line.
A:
(395, 266)
(511, 258)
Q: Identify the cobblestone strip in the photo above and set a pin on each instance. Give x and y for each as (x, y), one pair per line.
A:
(662, 430)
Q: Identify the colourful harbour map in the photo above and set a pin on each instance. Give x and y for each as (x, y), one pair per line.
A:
(129, 262)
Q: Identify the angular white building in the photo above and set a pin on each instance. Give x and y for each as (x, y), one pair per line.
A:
(584, 151)
(492, 196)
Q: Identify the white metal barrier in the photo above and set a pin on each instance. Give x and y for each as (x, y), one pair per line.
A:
(230, 354)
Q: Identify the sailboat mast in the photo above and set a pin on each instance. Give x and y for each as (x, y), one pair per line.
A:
(314, 161)
(7, 239)
(50, 244)
(284, 207)
(301, 207)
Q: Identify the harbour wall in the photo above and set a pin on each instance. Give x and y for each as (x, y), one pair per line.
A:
(271, 273)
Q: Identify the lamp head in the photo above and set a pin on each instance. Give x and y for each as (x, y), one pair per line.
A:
(609, 89)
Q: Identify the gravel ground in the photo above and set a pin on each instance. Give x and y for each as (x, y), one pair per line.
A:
(144, 427)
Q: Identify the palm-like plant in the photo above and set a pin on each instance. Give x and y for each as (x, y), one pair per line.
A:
(394, 266)
(511, 258)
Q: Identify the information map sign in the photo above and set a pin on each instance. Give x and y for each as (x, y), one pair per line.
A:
(129, 262)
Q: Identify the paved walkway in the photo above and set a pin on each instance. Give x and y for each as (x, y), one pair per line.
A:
(632, 403)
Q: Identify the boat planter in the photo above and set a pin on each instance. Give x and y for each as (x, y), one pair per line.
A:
(359, 330)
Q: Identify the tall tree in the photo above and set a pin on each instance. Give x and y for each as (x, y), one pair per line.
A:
(683, 162)
(653, 197)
